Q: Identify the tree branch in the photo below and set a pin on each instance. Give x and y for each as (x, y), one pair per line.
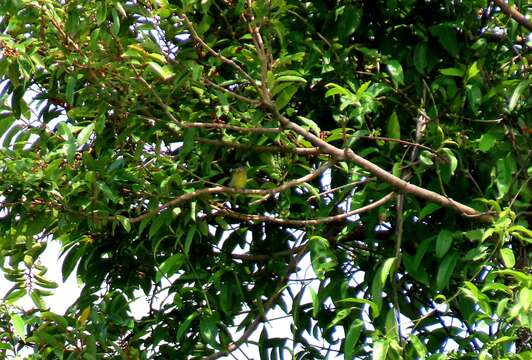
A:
(403, 142)
(297, 150)
(220, 190)
(295, 222)
(233, 94)
(227, 127)
(514, 14)
(261, 51)
(261, 257)
(402, 185)
(216, 54)
(266, 307)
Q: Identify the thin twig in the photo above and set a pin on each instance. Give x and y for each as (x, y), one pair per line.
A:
(398, 241)
(261, 257)
(323, 38)
(281, 284)
(260, 148)
(296, 182)
(404, 142)
(216, 54)
(351, 184)
(232, 93)
(261, 51)
(205, 125)
(295, 222)
(212, 190)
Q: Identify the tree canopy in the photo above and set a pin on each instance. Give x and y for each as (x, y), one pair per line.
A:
(386, 142)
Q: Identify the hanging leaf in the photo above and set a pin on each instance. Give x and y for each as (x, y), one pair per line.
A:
(353, 334)
(379, 280)
(445, 270)
(420, 57)
(508, 257)
(19, 326)
(444, 242)
(396, 71)
(393, 128)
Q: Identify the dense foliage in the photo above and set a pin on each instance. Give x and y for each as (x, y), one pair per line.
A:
(388, 142)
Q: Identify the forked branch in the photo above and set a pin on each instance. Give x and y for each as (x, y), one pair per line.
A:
(514, 14)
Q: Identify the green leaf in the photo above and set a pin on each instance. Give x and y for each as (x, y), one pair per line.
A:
(335, 89)
(285, 96)
(109, 193)
(72, 23)
(380, 349)
(209, 330)
(428, 209)
(164, 72)
(311, 124)
(14, 294)
(508, 257)
(19, 326)
(90, 346)
(418, 345)
(486, 142)
(374, 308)
(191, 233)
(452, 72)
(472, 71)
(185, 325)
(315, 302)
(322, 258)
(5, 123)
(36, 298)
(517, 93)
(379, 280)
(101, 12)
(348, 19)
(474, 95)
(505, 170)
(446, 35)
(444, 242)
(426, 157)
(291, 78)
(196, 72)
(451, 158)
(525, 299)
(340, 315)
(125, 222)
(396, 71)
(445, 270)
(420, 57)
(353, 334)
(70, 88)
(393, 128)
(84, 134)
(115, 26)
(170, 266)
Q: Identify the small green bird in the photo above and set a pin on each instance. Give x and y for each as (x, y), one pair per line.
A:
(239, 178)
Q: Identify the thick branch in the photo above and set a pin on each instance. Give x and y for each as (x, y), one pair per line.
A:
(404, 186)
(514, 14)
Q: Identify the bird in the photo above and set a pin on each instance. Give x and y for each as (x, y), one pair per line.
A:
(239, 178)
